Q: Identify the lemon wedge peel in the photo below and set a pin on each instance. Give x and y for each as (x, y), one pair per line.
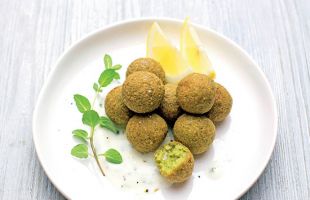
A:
(162, 50)
(194, 52)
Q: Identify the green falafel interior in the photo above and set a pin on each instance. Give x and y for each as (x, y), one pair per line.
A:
(170, 157)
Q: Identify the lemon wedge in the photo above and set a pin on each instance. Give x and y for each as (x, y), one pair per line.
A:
(193, 51)
(161, 49)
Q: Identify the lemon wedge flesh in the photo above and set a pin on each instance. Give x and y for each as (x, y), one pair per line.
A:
(163, 51)
(193, 51)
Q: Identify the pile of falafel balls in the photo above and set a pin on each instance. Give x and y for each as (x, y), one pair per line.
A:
(145, 105)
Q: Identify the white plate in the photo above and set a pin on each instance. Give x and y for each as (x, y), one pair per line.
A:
(244, 141)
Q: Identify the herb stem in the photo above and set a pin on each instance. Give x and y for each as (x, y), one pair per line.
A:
(94, 149)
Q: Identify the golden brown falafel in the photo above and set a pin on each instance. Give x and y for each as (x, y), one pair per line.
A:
(146, 132)
(175, 162)
(195, 132)
(149, 65)
(142, 92)
(115, 108)
(222, 104)
(169, 106)
(196, 93)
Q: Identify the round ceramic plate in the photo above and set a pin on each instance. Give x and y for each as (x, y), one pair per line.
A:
(240, 152)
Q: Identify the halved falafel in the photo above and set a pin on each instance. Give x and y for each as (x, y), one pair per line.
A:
(146, 132)
(149, 65)
(196, 93)
(175, 162)
(142, 92)
(169, 106)
(195, 132)
(115, 108)
(222, 104)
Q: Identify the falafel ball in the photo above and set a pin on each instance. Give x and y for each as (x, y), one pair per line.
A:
(149, 65)
(175, 162)
(146, 132)
(169, 106)
(195, 132)
(222, 104)
(115, 108)
(142, 92)
(196, 93)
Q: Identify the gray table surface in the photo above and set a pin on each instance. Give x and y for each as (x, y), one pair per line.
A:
(33, 34)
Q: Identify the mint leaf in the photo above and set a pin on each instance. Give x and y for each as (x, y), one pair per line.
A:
(107, 61)
(80, 151)
(80, 134)
(82, 103)
(106, 77)
(91, 118)
(116, 76)
(95, 87)
(113, 156)
(108, 124)
(116, 67)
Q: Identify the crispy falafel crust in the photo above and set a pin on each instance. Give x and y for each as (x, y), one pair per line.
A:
(222, 104)
(196, 93)
(169, 107)
(146, 132)
(143, 92)
(115, 108)
(195, 132)
(149, 65)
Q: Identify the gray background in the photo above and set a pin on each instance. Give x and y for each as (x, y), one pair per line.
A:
(33, 34)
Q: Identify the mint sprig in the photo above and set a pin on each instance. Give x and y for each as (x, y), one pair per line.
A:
(91, 118)
(107, 61)
(80, 151)
(106, 77)
(108, 124)
(96, 87)
(82, 103)
(80, 134)
(116, 67)
(112, 156)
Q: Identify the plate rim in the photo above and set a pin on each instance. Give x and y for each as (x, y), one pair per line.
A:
(143, 20)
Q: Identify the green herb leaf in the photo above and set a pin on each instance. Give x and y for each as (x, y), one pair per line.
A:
(96, 87)
(107, 61)
(116, 76)
(116, 67)
(80, 151)
(106, 77)
(108, 124)
(113, 156)
(80, 134)
(91, 118)
(82, 103)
